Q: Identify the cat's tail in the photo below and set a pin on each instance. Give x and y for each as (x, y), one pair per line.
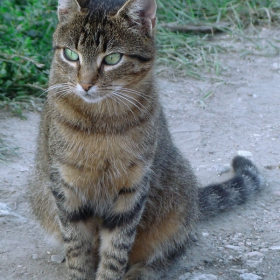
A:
(246, 182)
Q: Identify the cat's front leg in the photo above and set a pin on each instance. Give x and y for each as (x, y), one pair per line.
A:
(118, 234)
(78, 244)
(78, 230)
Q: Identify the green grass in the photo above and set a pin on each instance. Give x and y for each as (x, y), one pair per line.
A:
(193, 54)
(6, 150)
(26, 27)
(239, 12)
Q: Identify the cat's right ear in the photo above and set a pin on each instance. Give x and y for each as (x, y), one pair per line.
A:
(66, 8)
(142, 13)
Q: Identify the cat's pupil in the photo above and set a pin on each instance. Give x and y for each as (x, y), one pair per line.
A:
(70, 55)
(113, 58)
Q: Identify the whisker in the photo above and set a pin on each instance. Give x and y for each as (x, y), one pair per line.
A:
(117, 98)
(61, 89)
(131, 102)
(128, 90)
(134, 99)
(148, 98)
(62, 93)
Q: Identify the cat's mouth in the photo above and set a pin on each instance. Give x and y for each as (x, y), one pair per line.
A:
(90, 96)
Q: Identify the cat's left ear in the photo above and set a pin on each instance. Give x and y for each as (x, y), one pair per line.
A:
(66, 8)
(140, 12)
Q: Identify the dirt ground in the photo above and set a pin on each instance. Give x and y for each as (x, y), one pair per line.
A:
(241, 115)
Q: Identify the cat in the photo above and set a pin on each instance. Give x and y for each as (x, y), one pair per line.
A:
(108, 181)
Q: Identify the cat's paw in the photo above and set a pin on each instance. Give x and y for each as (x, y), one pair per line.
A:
(141, 272)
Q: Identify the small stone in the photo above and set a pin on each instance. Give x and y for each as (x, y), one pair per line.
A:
(264, 250)
(224, 169)
(254, 258)
(250, 276)
(204, 277)
(277, 193)
(245, 153)
(239, 270)
(7, 211)
(4, 210)
(236, 248)
(275, 66)
(275, 248)
(23, 169)
(57, 258)
(34, 256)
(193, 237)
(185, 276)
(205, 234)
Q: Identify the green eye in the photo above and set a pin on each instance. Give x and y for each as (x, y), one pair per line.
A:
(70, 55)
(113, 58)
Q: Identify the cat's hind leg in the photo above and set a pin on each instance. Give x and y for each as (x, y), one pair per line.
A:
(158, 247)
(159, 269)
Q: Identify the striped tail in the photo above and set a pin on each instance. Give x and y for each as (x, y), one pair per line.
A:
(246, 182)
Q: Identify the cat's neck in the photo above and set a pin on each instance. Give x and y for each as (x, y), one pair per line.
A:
(116, 114)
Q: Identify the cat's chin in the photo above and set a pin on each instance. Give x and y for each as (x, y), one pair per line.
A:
(90, 96)
(91, 99)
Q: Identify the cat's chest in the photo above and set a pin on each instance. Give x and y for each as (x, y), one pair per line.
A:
(104, 161)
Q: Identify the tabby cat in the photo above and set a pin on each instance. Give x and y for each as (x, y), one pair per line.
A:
(108, 181)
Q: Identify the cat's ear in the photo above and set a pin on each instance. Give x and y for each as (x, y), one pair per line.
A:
(140, 12)
(66, 8)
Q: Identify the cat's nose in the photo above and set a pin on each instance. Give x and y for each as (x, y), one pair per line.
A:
(86, 87)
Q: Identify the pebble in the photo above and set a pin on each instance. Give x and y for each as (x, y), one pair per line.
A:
(253, 259)
(275, 66)
(7, 211)
(57, 258)
(277, 193)
(34, 256)
(185, 276)
(275, 248)
(204, 277)
(224, 169)
(245, 153)
(189, 276)
(4, 210)
(193, 237)
(239, 270)
(264, 250)
(236, 248)
(250, 276)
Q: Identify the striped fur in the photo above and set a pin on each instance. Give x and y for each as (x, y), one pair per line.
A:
(108, 181)
(219, 197)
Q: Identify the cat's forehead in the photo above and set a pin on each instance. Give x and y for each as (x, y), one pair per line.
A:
(87, 30)
(92, 30)
(100, 30)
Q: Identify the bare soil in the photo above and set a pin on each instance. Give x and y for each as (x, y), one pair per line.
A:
(241, 114)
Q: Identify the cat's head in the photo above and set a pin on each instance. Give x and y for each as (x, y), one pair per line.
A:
(103, 48)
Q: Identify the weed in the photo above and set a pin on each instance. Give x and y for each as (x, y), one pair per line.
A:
(6, 151)
(26, 28)
(193, 54)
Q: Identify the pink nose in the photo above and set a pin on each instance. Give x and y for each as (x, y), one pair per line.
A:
(86, 87)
